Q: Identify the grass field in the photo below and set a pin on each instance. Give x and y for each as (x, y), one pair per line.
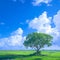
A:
(24, 55)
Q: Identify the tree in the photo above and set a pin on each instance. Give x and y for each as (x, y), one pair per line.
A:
(37, 41)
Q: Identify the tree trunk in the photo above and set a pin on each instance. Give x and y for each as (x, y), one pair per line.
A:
(38, 52)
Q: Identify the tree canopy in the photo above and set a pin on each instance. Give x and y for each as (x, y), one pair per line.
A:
(38, 40)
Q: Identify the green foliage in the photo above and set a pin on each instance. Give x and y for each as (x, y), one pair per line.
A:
(38, 40)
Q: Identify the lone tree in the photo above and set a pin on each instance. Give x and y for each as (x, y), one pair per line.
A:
(37, 41)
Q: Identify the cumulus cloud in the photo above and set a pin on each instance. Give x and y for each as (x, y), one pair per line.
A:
(43, 24)
(38, 2)
(57, 20)
(15, 40)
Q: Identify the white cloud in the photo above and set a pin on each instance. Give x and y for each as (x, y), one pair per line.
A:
(16, 39)
(19, 31)
(53, 47)
(43, 24)
(57, 20)
(38, 2)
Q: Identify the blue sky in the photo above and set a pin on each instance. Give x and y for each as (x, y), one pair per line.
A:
(20, 17)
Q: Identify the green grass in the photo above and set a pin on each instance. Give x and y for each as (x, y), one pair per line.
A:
(24, 55)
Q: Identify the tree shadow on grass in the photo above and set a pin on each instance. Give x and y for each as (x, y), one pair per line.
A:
(38, 59)
(12, 57)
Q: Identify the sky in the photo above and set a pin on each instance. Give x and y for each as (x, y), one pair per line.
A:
(21, 17)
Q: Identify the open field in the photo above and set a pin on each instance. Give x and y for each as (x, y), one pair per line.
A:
(25, 55)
